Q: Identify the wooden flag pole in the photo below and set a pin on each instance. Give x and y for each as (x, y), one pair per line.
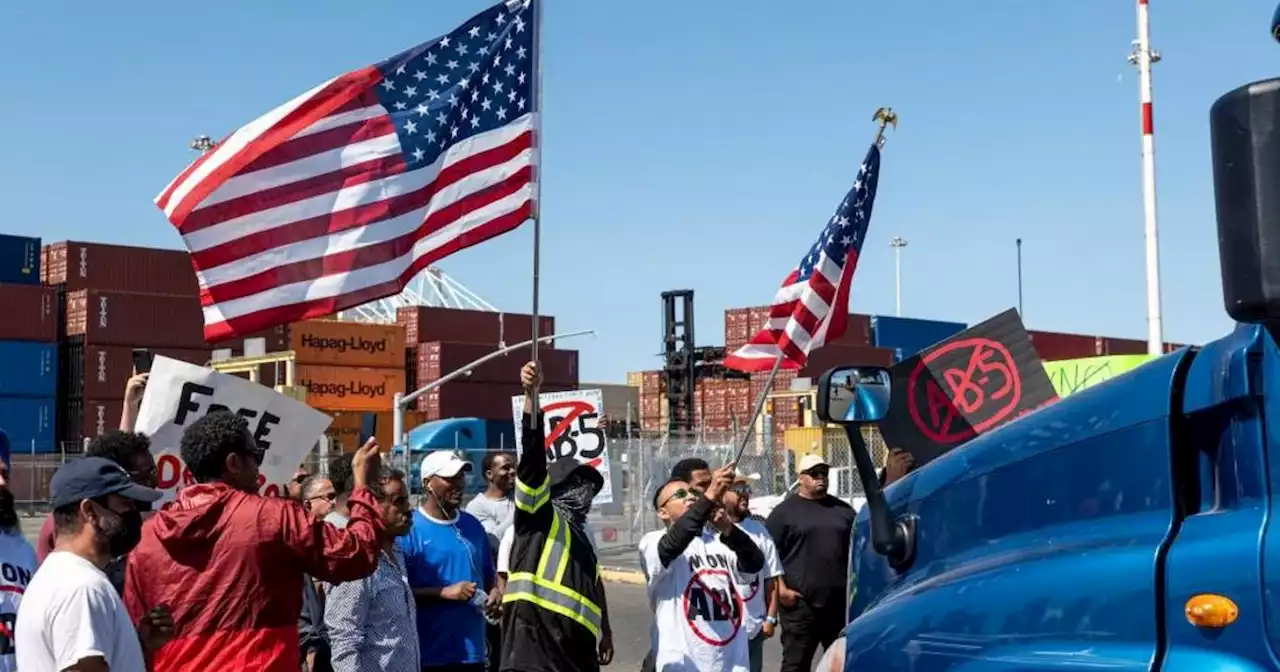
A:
(884, 116)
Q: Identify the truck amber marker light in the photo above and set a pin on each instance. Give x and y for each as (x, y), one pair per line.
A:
(1211, 611)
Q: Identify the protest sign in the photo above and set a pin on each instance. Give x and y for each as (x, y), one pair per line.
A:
(573, 430)
(967, 385)
(1072, 375)
(178, 394)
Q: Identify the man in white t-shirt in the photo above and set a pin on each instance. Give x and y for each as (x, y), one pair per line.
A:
(759, 590)
(17, 560)
(692, 572)
(71, 616)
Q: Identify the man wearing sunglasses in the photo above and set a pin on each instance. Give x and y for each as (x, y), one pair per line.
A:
(759, 590)
(811, 530)
(692, 568)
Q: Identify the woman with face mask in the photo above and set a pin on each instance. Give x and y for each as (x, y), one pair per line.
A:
(71, 615)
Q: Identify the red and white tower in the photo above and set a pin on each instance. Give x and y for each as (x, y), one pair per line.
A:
(1143, 56)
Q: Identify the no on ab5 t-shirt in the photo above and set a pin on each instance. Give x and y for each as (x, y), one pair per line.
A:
(812, 536)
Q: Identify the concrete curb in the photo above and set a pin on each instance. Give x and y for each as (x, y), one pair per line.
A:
(615, 575)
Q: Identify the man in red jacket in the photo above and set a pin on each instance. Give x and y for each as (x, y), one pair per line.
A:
(228, 562)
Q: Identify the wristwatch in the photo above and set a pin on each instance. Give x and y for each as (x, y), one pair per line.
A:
(772, 620)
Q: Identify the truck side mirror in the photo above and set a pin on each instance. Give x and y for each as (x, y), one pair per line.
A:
(856, 394)
(852, 396)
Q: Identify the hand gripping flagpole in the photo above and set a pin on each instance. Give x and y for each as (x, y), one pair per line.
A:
(884, 116)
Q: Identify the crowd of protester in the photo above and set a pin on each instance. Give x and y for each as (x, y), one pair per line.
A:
(344, 573)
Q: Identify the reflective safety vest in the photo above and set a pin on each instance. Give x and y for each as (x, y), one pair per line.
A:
(547, 565)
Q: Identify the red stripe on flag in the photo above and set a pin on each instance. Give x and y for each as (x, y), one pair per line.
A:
(369, 255)
(323, 141)
(336, 222)
(271, 317)
(163, 201)
(336, 94)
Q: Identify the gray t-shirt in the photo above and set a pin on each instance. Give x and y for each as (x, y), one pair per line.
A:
(336, 519)
(496, 515)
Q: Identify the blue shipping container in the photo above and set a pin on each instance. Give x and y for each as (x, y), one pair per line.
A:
(910, 335)
(19, 260)
(29, 422)
(28, 369)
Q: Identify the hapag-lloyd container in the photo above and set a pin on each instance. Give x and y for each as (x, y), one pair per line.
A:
(423, 324)
(121, 268)
(102, 371)
(28, 422)
(473, 400)
(340, 343)
(346, 427)
(349, 388)
(136, 320)
(910, 335)
(28, 369)
(436, 359)
(30, 313)
(830, 356)
(1054, 346)
(19, 260)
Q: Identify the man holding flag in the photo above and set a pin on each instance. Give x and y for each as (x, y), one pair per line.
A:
(810, 528)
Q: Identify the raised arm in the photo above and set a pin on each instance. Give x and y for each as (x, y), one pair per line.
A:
(533, 485)
(686, 528)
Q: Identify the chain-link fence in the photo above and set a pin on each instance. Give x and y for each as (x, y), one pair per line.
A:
(769, 462)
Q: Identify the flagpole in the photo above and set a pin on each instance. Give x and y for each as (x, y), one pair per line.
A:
(537, 184)
(884, 116)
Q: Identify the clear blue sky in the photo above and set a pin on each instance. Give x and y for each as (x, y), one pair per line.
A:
(702, 144)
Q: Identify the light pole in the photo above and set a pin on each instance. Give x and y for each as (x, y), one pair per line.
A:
(1143, 56)
(897, 244)
(1020, 313)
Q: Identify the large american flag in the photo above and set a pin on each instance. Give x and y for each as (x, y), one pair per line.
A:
(343, 194)
(811, 308)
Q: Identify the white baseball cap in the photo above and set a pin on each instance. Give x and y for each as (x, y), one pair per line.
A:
(443, 463)
(810, 461)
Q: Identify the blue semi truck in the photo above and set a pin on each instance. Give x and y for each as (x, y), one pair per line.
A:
(1132, 526)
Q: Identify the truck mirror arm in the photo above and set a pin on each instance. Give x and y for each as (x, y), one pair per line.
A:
(894, 539)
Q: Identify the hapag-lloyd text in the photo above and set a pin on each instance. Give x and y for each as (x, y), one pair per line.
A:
(344, 345)
(344, 390)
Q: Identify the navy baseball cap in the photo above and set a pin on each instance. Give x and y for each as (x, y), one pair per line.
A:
(94, 477)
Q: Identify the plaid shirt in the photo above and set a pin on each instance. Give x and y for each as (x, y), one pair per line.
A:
(372, 622)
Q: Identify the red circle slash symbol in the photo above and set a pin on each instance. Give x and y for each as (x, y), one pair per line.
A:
(563, 431)
(713, 606)
(983, 388)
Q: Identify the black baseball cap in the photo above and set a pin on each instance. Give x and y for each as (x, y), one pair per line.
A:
(563, 468)
(94, 477)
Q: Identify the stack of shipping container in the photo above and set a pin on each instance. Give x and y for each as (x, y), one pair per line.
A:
(442, 340)
(112, 299)
(28, 348)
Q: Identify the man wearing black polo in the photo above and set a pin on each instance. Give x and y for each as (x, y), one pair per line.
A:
(811, 530)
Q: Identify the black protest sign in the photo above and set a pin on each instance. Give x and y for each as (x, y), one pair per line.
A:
(965, 386)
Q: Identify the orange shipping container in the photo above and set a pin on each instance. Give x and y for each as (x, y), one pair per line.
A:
(345, 430)
(348, 388)
(348, 343)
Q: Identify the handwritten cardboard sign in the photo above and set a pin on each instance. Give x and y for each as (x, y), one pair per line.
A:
(573, 430)
(965, 386)
(1072, 375)
(178, 394)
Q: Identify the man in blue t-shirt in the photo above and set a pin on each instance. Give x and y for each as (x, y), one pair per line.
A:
(451, 570)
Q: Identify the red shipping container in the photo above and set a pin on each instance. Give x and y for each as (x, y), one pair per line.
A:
(90, 418)
(782, 382)
(30, 313)
(738, 400)
(423, 324)
(737, 328)
(651, 382)
(44, 264)
(858, 331)
(786, 412)
(714, 398)
(135, 320)
(1054, 346)
(100, 372)
(1123, 346)
(831, 356)
(650, 406)
(473, 400)
(121, 268)
(436, 359)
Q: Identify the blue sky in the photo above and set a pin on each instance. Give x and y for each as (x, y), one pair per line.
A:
(702, 144)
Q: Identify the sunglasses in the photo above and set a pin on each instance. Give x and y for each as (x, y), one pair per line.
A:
(680, 494)
(817, 472)
(331, 497)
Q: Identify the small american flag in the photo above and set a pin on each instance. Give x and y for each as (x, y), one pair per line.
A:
(345, 193)
(811, 308)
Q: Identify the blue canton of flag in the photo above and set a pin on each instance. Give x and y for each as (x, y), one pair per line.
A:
(471, 81)
(811, 308)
